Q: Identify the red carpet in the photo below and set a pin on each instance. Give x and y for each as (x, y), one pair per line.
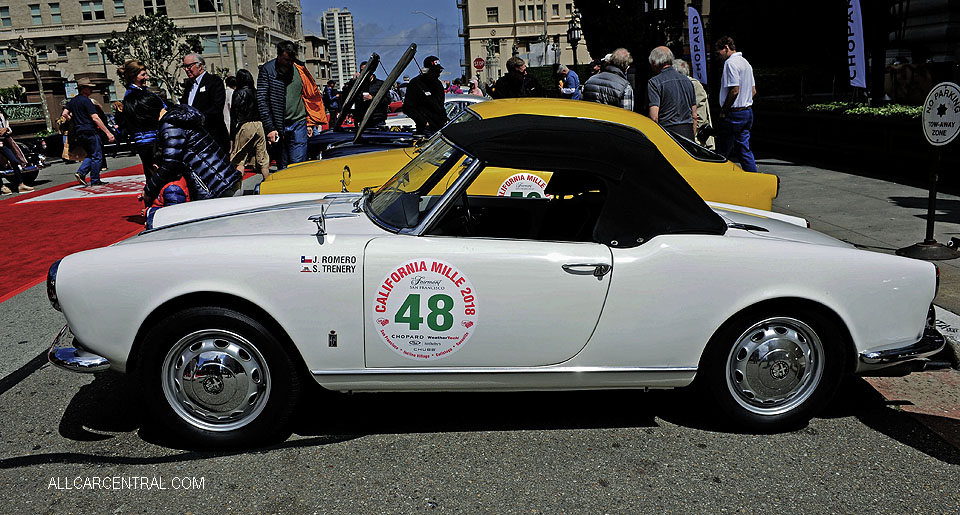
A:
(37, 233)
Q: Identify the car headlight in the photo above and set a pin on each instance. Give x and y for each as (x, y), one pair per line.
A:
(52, 284)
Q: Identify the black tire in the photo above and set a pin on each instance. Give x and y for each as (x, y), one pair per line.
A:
(771, 371)
(218, 378)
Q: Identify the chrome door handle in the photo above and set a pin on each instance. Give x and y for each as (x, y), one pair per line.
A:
(597, 270)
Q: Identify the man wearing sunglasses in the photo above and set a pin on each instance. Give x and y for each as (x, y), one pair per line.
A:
(204, 92)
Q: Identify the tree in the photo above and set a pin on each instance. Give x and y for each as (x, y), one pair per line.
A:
(25, 48)
(157, 41)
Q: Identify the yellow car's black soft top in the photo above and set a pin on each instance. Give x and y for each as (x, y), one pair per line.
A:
(645, 195)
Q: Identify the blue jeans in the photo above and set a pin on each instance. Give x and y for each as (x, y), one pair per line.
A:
(91, 164)
(733, 138)
(294, 144)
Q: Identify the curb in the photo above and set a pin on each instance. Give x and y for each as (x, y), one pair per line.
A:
(948, 323)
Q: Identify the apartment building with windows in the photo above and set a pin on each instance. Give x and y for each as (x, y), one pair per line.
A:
(338, 25)
(535, 30)
(67, 35)
(317, 57)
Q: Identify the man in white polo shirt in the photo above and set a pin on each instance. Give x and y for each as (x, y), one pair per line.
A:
(737, 89)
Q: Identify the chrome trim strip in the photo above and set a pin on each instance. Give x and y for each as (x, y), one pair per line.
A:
(931, 343)
(498, 370)
(69, 355)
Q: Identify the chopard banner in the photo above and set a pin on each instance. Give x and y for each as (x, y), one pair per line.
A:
(856, 62)
(698, 52)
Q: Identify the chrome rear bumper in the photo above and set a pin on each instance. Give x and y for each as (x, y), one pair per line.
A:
(69, 355)
(931, 343)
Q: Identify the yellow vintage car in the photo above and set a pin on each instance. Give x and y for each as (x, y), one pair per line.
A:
(712, 176)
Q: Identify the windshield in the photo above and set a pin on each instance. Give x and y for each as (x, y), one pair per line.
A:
(404, 200)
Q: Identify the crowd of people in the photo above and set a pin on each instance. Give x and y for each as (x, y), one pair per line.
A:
(199, 148)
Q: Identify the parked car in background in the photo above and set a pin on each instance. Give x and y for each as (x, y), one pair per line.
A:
(36, 161)
(619, 277)
(710, 174)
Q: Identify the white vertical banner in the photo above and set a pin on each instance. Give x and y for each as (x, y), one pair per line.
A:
(856, 62)
(698, 52)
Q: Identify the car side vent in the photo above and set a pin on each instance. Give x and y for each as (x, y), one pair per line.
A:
(747, 227)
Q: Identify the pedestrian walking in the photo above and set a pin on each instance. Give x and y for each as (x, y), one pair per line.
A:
(135, 76)
(205, 92)
(610, 86)
(672, 102)
(331, 99)
(475, 88)
(737, 90)
(704, 132)
(291, 106)
(517, 82)
(85, 124)
(249, 140)
(569, 83)
(425, 96)
(15, 160)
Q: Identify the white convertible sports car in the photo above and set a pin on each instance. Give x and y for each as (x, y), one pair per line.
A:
(619, 277)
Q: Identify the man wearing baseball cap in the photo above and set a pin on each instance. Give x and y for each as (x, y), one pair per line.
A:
(86, 122)
(423, 102)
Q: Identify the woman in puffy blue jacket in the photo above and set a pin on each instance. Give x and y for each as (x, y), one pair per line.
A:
(183, 148)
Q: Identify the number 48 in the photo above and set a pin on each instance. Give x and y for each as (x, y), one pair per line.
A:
(439, 319)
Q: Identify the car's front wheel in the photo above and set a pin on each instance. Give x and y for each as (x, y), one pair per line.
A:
(773, 371)
(217, 377)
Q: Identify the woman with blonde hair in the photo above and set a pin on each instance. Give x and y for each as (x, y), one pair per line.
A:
(135, 75)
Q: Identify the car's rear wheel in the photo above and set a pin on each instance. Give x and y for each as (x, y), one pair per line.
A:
(217, 377)
(773, 371)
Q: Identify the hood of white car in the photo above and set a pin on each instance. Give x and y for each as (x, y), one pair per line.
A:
(259, 215)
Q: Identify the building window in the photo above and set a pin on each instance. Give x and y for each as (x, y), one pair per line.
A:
(193, 6)
(210, 45)
(539, 12)
(35, 14)
(118, 8)
(569, 9)
(209, 6)
(61, 50)
(5, 17)
(493, 14)
(556, 9)
(155, 6)
(522, 13)
(42, 53)
(93, 56)
(530, 13)
(55, 13)
(92, 10)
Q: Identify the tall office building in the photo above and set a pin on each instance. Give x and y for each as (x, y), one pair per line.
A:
(338, 24)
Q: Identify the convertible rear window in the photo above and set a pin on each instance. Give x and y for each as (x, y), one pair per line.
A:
(696, 151)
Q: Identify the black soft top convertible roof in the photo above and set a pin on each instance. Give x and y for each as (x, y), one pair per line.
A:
(646, 196)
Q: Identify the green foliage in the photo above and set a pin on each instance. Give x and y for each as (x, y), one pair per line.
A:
(861, 109)
(11, 94)
(157, 41)
(45, 133)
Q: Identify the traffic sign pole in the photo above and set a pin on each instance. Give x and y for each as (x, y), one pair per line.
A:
(941, 123)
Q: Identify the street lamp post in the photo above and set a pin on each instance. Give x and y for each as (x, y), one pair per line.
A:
(436, 24)
(574, 33)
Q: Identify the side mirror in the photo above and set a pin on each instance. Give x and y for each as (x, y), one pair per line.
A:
(345, 181)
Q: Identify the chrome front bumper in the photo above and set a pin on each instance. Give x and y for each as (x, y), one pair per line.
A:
(931, 343)
(69, 355)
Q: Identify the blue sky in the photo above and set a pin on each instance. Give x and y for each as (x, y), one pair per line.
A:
(387, 27)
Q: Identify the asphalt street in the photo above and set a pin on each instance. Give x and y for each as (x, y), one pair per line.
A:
(74, 443)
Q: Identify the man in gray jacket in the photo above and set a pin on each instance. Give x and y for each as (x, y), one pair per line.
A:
(610, 86)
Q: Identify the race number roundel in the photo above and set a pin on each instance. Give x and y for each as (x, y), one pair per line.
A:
(425, 309)
(525, 185)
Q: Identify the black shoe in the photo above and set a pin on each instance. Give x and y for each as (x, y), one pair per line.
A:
(80, 179)
(98, 183)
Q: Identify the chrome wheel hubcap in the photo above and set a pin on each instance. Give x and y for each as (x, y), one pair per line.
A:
(216, 380)
(775, 366)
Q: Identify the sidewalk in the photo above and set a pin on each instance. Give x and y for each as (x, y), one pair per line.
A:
(882, 216)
